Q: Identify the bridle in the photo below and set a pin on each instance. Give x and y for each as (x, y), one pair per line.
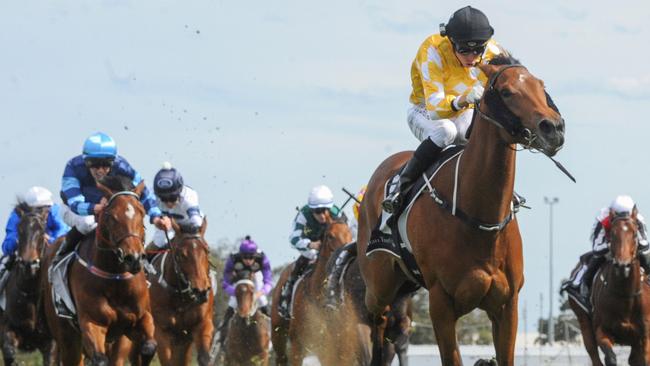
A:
(507, 120)
(184, 289)
(251, 284)
(625, 266)
(101, 238)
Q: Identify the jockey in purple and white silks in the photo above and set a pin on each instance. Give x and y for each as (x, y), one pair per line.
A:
(83, 200)
(248, 259)
(580, 283)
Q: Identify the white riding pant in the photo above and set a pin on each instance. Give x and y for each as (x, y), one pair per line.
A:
(159, 239)
(310, 254)
(84, 224)
(259, 283)
(443, 132)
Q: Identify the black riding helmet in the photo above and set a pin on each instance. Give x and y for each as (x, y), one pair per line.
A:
(168, 183)
(467, 28)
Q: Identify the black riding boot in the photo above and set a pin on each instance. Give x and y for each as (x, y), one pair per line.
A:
(265, 310)
(333, 283)
(287, 289)
(592, 267)
(423, 156)
(72, 238)
(223, 329)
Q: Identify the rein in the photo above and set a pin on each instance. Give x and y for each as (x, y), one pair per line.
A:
(186, 289)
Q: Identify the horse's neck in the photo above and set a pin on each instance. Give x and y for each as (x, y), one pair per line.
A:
(619, 285)
(486, 174)
(318, 273)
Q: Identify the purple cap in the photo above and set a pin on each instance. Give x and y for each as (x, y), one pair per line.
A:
(247, 246)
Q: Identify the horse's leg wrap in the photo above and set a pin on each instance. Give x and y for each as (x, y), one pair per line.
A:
(148, 349)
(9, 350)
(99, 359)
(333, 283)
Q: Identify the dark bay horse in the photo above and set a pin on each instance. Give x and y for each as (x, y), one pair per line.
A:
(398, 328)
(107, 284)
(182, 299)
(305, 329)
(473, 261)
(23, 326)
(247, 341)
(621, 300)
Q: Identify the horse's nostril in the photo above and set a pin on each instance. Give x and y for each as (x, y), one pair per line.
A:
(546, 127)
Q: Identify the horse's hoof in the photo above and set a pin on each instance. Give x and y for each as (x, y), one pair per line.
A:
(99, 359)
(491, 362)
(149, 348)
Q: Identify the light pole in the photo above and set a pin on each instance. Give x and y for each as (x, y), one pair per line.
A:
(551, 333)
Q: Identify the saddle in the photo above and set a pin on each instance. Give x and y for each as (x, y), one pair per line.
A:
(388, 235)
(61, 296)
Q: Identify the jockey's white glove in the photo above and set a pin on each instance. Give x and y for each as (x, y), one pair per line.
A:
(475, 94)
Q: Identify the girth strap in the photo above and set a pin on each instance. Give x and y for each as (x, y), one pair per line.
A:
(477, 224)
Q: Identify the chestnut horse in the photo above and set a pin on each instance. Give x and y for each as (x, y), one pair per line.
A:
(473, 260)
(247, 341)
(23, 325)
(621, 300)
(107, 284)
(183, 299)
(305, 329)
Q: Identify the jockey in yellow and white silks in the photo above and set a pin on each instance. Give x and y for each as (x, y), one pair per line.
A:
(446, 84)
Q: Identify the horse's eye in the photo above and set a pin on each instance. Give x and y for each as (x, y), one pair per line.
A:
(505, 93)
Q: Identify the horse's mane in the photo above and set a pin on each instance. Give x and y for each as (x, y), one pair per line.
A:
(504, 59)
(22, 207)
(117, 183)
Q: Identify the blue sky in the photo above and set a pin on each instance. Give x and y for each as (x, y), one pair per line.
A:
(256, 102)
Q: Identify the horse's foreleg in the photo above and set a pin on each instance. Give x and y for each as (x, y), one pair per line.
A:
(49, 353)
(504, 331)
(9, 343)
(588, 335)
(94, 342)
(146, 345)
(203, 341)
(279, 335)
(607, 346)
(443, 317)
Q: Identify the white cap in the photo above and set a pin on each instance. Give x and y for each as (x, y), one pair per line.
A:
(320, 196)
(38, 197)
(622, 205)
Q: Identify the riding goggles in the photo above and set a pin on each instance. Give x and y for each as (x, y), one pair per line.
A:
(99, 163)
(470, 47)
(169, 198)
(319, 210)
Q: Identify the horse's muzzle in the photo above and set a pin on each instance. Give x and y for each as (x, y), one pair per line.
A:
(623, 268)
(201, 296)
(552, 135)
(133, 262)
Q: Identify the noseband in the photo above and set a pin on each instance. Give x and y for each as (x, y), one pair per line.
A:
(250, 283)
(185, 290)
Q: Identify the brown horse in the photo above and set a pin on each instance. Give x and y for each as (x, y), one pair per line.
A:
(182, 299)
(621, 299)
(23, 326)
(398, 327)
(247, 341)
(107, 284)
(474, 259)
(308, 321)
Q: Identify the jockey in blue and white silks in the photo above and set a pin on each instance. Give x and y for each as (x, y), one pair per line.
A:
(37, 198)
(82, 197)
(177, 201)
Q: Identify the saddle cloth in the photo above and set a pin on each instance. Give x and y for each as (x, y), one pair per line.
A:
(390, 234)
(61, 297)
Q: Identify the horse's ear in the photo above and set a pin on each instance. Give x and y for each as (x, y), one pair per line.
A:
(635, 211)
(204, 226)
(139, 189)
(19, 210)
(175, 226)
(488, 69)
(107, 191)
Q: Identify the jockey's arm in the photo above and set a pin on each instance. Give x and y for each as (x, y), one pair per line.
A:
(600, 241)
(438, 103)
(227, 277)
(56, 228)
(11, 234)
(267, 275)
(147, 198)
(71, 193)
